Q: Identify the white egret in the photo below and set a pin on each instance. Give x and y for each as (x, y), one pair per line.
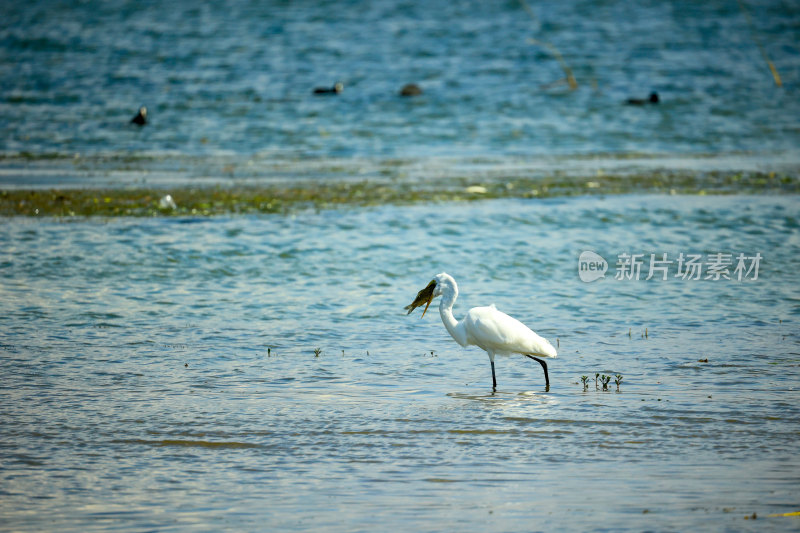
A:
(484, 327)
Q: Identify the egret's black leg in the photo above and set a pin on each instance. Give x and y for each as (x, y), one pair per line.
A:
(544, 366)
(494, 380)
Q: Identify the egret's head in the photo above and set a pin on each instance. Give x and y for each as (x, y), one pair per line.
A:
(431, 291)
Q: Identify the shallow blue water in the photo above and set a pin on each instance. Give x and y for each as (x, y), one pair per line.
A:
(160, 373)
(236, 78)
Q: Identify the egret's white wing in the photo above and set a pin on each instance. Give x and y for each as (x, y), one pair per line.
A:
(495, 331)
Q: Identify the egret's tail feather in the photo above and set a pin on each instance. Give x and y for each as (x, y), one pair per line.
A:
(546, 351)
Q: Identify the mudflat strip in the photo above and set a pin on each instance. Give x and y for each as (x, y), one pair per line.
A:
(308, 194)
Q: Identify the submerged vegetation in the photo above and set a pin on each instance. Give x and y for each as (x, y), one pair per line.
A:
(307, 194)
(604, 380)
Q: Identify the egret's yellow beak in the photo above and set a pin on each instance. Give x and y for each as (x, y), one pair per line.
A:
(425, 296)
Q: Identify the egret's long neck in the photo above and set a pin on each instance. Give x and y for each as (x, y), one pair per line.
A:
(455, 329)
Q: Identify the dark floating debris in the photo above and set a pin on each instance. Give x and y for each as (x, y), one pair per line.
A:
(141, 117)
(410, 89)
(336, 89)
(654, 99)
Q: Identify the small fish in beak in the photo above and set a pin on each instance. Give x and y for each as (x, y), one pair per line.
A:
(425, 296)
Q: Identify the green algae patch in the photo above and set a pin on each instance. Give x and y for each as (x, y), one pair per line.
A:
(283, 198)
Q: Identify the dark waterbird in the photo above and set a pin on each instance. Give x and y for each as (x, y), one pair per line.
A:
(141, 117)
(410, 89)
(336, 89)
(641, 101)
